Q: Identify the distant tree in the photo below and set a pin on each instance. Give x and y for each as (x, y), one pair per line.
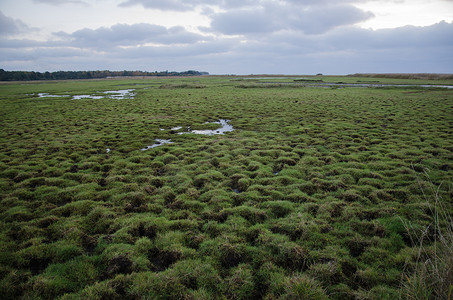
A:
(61, 75)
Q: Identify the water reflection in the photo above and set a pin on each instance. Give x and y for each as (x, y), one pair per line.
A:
(78, 97)
(158, 143)
(47, 95)
(225, 127)
(119, 95)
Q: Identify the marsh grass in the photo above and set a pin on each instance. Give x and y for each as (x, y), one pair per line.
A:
(429, 76)
(430, 276)
(307, 197)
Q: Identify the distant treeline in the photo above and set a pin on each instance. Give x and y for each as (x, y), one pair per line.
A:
(61, 75)
(432, 76)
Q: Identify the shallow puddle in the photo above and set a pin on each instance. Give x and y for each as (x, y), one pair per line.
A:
(437, 86)
(225, 127)
(261, 78)
(158, 143)
(47, 95)
(78, 97)
(119, 95)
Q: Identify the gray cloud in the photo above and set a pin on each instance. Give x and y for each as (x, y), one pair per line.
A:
(61, 2)
(341, 50)
(167, 57)
(315, 20)
(186, 5)
(10, 26)
(273, 17)
(263, 16)
(130, 35)
(175, 5)
(9, 43)
(243, 22)
(420, 38)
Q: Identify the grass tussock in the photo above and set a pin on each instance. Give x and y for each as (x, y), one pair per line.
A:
(431, 274)
(307, 198)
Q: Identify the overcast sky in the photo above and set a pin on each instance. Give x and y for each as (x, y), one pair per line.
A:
(228, 36)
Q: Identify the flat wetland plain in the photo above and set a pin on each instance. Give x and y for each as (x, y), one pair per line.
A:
(316, 192)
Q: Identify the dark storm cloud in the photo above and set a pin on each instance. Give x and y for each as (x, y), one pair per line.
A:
(130, 35)
(10, 26)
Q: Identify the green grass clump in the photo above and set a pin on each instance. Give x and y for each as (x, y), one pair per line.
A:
(64, 278)
(316, 194)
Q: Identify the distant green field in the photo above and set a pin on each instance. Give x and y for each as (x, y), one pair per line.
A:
(310, 196)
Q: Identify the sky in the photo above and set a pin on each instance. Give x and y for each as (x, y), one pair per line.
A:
(228, 36)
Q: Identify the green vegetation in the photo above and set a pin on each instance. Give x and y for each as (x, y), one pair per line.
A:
(424, 76)
(318, 193)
